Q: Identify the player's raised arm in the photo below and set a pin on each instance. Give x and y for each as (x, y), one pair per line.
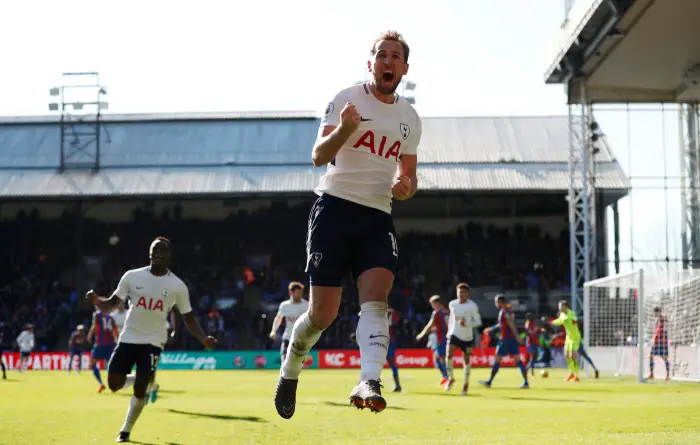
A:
(337, 125)
(406, 183)
(120, 294)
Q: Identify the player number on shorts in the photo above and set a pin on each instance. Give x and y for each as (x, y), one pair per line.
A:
(394, 246)
(154, 361)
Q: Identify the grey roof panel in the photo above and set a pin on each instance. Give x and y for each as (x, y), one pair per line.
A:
(284, 141)
(276, 179)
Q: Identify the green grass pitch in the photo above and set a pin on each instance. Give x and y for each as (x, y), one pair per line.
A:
(235, 407)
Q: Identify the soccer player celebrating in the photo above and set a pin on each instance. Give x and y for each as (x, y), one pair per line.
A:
(76, 343)
(508, 343)
(463, 319)
(289, 311)
(438, 319)
(25, 343)
(103, 335)
(660, 344)
(567, 319)
(368, 139)
(394, 318)
(152, 290)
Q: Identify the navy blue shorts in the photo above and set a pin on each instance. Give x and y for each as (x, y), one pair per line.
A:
(102, 352)
(128, 355)
(507, 346)
(463, 345)
(660, 350)
(342, 236)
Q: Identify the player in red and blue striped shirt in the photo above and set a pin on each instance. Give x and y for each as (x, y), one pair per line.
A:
(394, 318)
(104, 334)
(439, 320)
(508, 344)
(660, 344)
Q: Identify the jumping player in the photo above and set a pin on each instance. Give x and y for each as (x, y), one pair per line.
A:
(394, 318)
(289, 311)
(534, 351)
(103, 335)
(508, 344)
(463, 319)
(76, 343)
(152, 291)
(25, 343)
(660, 344)
(567, 319)
(438, 319)
(368, 139)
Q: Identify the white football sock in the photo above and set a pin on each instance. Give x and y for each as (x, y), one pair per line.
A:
(304, 337)
(450, 367)
(135, 407)
(467, 369)
(129, 382)
(373, 339)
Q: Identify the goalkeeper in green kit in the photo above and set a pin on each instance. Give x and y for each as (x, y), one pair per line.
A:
(567, 319)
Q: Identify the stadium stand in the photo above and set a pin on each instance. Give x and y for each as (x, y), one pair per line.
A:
(232, 191)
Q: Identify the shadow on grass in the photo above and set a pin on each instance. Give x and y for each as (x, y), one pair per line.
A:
(218, 416)
(348, 405)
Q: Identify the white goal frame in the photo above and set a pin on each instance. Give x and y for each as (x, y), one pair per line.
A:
(640, 316)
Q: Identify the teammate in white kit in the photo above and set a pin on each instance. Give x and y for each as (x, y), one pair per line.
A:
(119, 316)
(464, 318)
(368, 139)
(25, 343)
(152, 291)
(289, 311)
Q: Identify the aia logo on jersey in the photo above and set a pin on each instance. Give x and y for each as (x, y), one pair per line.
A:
(379, 148)
(150, 304)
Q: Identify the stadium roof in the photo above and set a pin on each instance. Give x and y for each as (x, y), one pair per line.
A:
(244, 153)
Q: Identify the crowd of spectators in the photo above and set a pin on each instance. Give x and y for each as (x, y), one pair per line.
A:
(237, 270)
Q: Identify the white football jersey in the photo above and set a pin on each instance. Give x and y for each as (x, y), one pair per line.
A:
(152, 298)
(364, 169)
(119, 318)
(291, 311)
(464, 317)
(25, 341)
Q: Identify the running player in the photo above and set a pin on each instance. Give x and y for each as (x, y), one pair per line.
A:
(25, 343)
(534, 351)
(438, 319)
(394, 318)
(289, 311)
(463, 319)
(660, 345)
(104, 335)
(567, 319)
(76, 343)
(368, 139)
(508, 343)
(152, 291)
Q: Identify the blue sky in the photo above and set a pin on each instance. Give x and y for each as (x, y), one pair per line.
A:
(468, 57)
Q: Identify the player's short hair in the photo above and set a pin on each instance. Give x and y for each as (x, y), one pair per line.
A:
(435, 298)
(80, 327)
(500, 298)
(163, 239)
(462, 286)
(564, 302)
(395, 36)
(657, 310)
(294, 285)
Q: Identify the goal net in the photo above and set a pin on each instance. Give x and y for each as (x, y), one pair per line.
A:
(620, 323)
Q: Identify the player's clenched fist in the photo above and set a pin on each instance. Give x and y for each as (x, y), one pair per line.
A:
(401, 188)
(349, 117)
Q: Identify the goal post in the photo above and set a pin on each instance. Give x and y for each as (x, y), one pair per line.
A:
(611, 323)
(619, 322)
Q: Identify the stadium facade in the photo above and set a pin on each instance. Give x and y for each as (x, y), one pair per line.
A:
(499, 171)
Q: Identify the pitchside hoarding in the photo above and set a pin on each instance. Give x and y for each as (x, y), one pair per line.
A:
(49, 361)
